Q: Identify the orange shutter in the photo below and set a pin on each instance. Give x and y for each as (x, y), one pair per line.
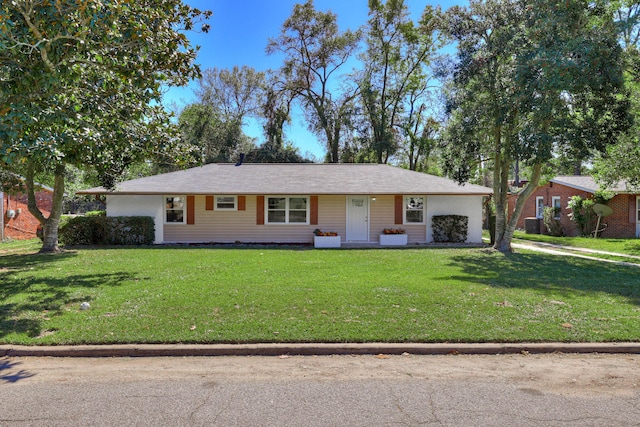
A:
(209, 203)
(314, 210)
(190, 209)
(260, 210)
(242, 203)
(398, 209)
(632, 208)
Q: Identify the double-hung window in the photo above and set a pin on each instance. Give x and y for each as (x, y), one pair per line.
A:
(174, 208)
(557, 208)
(414, 210)
(539, 206)
(287, 210)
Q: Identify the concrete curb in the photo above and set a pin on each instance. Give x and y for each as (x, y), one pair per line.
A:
(186, 350)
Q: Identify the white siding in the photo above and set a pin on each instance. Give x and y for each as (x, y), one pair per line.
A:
(470, 206)
(152, 206)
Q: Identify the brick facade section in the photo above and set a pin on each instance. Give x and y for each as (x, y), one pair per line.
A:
(23, 226)
(620, 224)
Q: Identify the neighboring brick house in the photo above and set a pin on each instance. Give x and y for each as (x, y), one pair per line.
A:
(17, 222)
(623, 223)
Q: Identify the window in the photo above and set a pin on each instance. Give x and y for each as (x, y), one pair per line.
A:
(539, 206)
(226, 203)
(638, 208)
(287, 210)
(174, 208)
(414, 210)
(557, 208)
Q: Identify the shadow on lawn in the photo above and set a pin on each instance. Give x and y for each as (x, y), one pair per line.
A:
(541, 271)
(35, 300)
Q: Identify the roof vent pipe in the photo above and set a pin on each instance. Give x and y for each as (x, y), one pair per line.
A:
(241, 159)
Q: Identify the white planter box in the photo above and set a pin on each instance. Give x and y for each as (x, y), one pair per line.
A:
(393, 239)
(326, 241)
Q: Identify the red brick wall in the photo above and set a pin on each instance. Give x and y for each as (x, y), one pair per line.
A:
(23, 225)
(618, 224)
(622, 222)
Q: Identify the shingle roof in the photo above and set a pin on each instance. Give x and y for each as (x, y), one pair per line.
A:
(587, 183)
(293, 178)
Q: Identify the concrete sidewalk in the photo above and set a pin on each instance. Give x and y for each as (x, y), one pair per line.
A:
(584, 253)
(309, 349)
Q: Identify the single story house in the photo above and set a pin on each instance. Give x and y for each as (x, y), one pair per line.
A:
(623, 223)
(285, 203)
(16, 222)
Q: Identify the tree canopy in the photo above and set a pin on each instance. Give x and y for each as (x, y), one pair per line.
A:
(81, 83)
(533, 78)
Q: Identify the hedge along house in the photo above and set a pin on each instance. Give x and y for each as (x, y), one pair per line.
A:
(285, 203)
(623, 223)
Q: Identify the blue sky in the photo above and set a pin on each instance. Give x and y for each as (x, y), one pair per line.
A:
(239, 33)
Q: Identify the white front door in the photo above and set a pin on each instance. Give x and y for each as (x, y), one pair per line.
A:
(357, 218)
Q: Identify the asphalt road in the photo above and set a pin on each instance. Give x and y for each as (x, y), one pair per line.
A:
(407, 390)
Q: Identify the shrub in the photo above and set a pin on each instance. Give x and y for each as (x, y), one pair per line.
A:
(450, 228)
(103, 230)
(582, 214)
(319, 232)
(551, 221)
(393, 231)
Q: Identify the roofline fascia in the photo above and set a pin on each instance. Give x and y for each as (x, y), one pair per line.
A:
(577, 187)
(137, 193)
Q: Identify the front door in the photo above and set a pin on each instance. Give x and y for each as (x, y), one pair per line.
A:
(357, 218)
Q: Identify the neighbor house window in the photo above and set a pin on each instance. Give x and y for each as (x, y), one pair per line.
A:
(557, 208)
(287, 210)
(174, 208)
(414, 210)
(539, 206)
(226, 203)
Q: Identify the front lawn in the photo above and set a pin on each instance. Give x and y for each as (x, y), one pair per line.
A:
(215, 295)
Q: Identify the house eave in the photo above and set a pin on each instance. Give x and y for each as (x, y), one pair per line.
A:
(251, 193)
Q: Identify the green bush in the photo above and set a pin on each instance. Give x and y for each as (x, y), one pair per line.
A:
(582, 214)
(551, 221)
(103, 230)
(450, 228)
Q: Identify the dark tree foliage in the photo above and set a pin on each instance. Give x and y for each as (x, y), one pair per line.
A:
(81, 84)
(533, 78)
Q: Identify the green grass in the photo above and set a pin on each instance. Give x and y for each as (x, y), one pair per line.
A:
(213, 295)
(622, 246)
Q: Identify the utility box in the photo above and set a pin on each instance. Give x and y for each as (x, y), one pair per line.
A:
(532, 225)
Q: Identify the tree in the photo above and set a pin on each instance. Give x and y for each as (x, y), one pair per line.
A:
(210, 135)
(395, 61)
(533, 78)
(212, 127)
(81, 83)
(621, 161)
(315, 50)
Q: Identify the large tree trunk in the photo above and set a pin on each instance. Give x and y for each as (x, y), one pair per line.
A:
(504, 244)
(50, 224)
